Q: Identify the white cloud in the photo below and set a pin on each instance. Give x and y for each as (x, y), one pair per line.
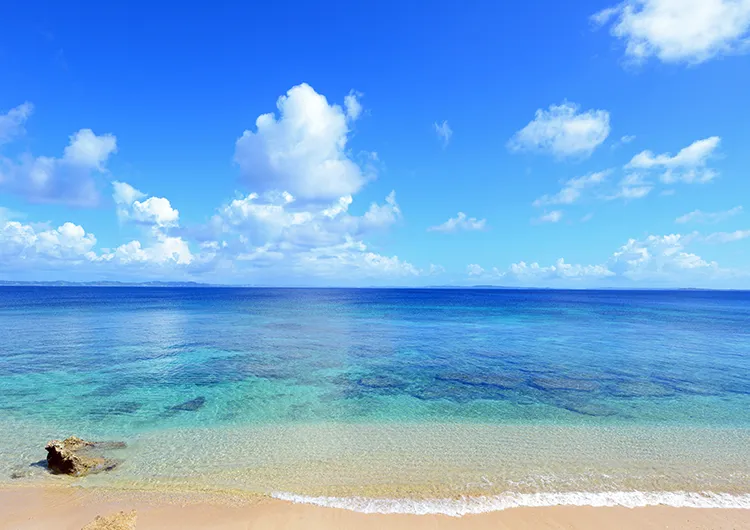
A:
(697, 216)
(659, 257)
(11, 123)
(605, 15)
(435, 270)
(70, 179)
(165, 250)
(727, 237)
(33, 247)
(276, 239)
(124, 193)
(269, 238)
(572, 189)
(352, 105)
(154, 211)
(382, 215)
(563, 131)
(351, 257)
(632, 186)
(674, 31)
(551, 217)
(654, 260)
(25, 245)
(278, 219)
(88, 150)
(444, 132)
(474, 270)
(560, 269)
(303, 151)
(689, 165)
(624, 140)
(459, 223)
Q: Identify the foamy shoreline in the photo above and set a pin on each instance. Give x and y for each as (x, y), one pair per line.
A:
(477, 505)
(61, 507)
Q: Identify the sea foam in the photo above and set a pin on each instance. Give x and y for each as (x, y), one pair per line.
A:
(475, 505)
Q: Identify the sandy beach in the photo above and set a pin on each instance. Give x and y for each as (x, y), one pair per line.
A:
(53, 508)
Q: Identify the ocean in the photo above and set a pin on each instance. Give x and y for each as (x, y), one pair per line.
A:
(386, 400)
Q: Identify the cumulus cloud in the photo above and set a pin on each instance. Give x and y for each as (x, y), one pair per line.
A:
(675, 31)
(659, 257)
(444, 132)
(153, 211)
(277, 218)
(12, 122)
(276, 236)
(653, 260)
(269, 238)
(302, 151)
(563, 131)
(697, 216)
(26, 244)
(689, 165)
(459, 223)
(69, 179)
(352, 257)
(165, 250)
(559, 269)
(572, 189)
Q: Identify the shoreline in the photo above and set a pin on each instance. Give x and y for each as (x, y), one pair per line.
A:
(66, 507)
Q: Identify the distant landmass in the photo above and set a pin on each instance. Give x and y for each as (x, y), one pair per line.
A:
(7, 283)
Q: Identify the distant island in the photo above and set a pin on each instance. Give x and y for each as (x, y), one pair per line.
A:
(59, 283)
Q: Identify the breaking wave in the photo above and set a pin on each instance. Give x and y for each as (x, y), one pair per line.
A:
(475, 505)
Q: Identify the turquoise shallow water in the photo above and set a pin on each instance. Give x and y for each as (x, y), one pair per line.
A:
(620, 391)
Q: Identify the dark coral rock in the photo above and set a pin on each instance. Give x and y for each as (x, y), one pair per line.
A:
(380, 381)
(190, 406)
(638, 389)
(500, 381)
(77, 457)
(564, 383)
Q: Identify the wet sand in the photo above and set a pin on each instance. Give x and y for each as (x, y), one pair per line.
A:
(65, 508)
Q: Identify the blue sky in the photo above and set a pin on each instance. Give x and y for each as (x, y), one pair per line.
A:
(591, 144)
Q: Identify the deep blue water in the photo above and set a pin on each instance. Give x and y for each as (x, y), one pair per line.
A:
(136, 359)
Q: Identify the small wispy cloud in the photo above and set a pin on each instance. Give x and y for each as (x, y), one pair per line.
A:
(572, 189)
(551, 217)
(727, 237)
(624, 140)
(444, 132)
(474, 270)
(697, 216)
(459, 223)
